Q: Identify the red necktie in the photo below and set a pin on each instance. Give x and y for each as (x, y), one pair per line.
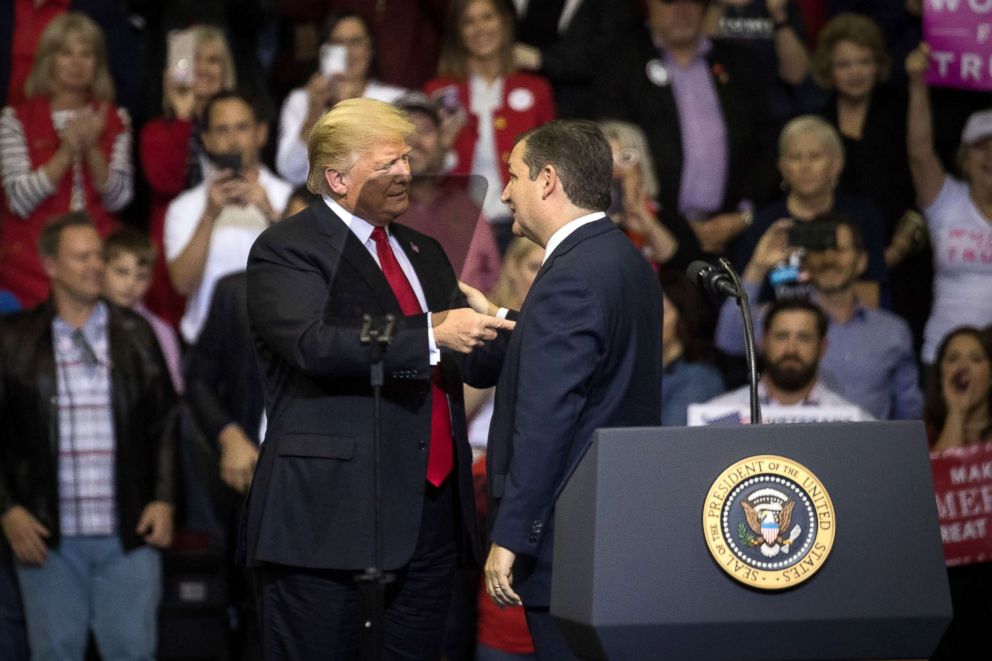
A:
(440, 460)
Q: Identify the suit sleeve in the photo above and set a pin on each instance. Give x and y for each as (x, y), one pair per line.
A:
(287, 289)
(564, 343)
(205, 374)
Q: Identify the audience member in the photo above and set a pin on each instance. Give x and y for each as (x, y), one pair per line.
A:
(128, 256)
(811, 159)
(773, 29)
(173, 157)
(957, 212)
(83, 513)
(446, 207)
(566, 42)
(210, 228)
(690, 375)
(793, 344)
(704, 109)
(959, 401)
(334, 82)
(635, 192)
(869, 353)
(479, 86)
(67, 148)
(959, 413)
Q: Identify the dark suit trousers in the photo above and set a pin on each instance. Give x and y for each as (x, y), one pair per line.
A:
(549, 644)
(311, 614)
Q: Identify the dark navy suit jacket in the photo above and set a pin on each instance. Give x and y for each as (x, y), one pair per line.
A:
(585, 354)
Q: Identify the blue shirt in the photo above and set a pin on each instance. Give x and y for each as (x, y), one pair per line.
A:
(869, 359)
(684, 383)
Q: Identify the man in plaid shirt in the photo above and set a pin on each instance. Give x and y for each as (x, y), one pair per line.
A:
(86, 405)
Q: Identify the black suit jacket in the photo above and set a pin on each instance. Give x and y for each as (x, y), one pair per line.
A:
(626, 93)
(311, 502)
(585, 354)
(223, 385)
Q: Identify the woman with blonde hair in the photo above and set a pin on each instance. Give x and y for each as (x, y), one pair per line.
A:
(635, 192)
(811, 158)
(67, 148)
(486, 103)
(172, 154)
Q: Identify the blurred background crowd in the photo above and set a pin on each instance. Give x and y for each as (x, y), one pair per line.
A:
(145, 145)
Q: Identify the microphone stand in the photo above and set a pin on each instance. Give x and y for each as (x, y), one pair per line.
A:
(377, 333)
(750, 355)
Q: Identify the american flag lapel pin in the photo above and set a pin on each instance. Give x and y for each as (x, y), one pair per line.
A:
(414, 247)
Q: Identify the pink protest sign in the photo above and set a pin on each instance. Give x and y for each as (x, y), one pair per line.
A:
(959, 33)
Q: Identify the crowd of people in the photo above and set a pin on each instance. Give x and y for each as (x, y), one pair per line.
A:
(797, 138)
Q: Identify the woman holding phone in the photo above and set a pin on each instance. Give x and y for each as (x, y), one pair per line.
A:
(66, 148)
(490, 102)
(172, 154)
(345, 73)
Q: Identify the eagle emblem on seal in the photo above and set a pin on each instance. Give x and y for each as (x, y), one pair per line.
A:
(769, 514)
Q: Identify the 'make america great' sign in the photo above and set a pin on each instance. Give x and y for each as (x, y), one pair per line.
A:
(962, 480)
(959, 33)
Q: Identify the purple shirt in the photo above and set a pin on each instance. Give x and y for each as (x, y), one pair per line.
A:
(168, 342)
(704, 134)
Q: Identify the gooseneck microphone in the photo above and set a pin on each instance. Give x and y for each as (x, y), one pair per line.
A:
(712, 279)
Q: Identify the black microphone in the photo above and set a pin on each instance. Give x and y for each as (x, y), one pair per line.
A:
(711, 279)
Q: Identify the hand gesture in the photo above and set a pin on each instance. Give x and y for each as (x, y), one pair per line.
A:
(477, 300)
(771, 249)
(26, 535)
(464, 330)
(179, 98)
(155, 524)
(319, 91)
(222, 191)
(237, 458)
(918, 62)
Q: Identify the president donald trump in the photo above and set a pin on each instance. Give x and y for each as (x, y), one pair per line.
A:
(308, 521)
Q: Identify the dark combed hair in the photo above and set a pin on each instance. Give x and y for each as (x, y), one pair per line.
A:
(796, 305)
(843, 220)
(579, 153)
(129, 241)
(696, 318)
(48, 240)
(935, 412)
(239, 95)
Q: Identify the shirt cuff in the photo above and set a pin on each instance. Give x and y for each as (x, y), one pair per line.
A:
(502, 312)
(434, 354)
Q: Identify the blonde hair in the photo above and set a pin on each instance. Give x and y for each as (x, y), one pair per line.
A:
(350, 127)
(857, 29)
(209, 34)
(41, 80)
(813, 125)
(630, 136)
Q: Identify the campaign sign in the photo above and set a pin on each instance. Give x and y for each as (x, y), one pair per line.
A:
(699, 415)
(959, 33)
(962, 482)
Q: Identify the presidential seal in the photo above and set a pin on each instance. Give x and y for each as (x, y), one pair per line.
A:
(769, 522)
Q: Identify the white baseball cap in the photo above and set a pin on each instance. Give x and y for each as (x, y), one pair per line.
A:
(978, 127)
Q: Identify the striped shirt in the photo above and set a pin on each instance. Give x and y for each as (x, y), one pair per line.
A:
(86, 426)
(27, 188)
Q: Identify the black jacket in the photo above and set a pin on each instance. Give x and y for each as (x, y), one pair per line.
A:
(143, 411)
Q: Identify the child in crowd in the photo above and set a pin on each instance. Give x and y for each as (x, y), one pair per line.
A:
(129, 256)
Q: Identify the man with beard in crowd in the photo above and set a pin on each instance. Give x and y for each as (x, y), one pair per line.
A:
(869, 357)
(794, 341)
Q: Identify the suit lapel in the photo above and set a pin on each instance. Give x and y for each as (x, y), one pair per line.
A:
(344, 242)
(427, 270)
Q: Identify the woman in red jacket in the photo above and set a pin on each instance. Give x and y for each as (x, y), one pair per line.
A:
(172, 156)
(66, 148)
(479, 88)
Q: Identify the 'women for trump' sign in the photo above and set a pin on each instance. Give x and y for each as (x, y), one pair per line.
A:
(959, 33)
